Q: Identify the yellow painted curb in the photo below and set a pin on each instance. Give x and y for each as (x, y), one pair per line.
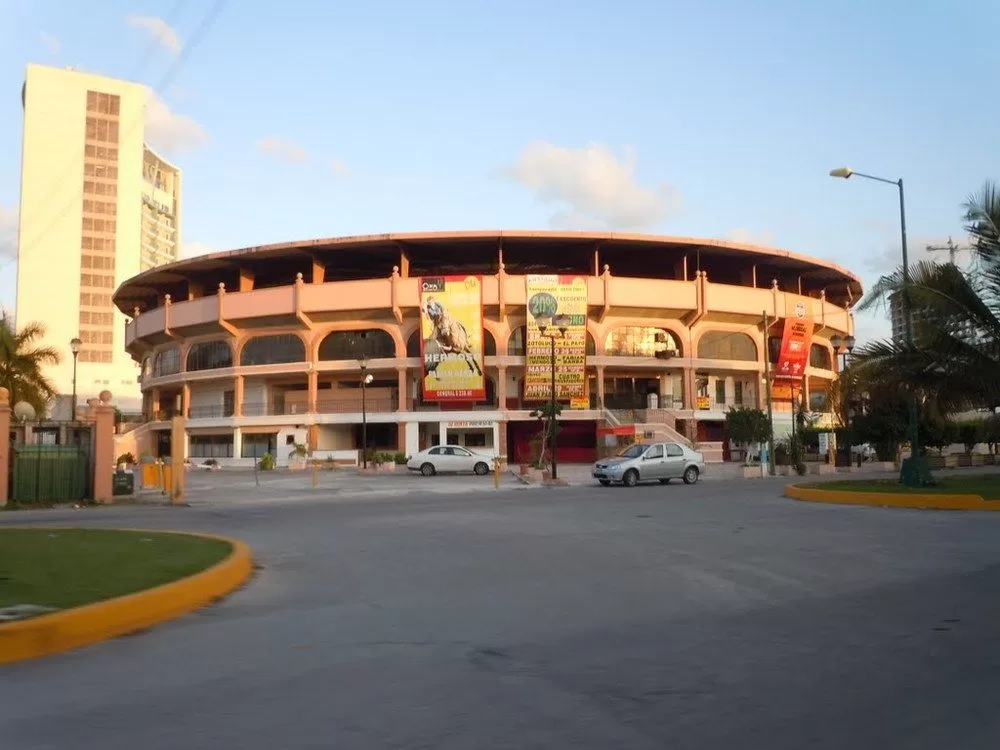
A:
(926, 501)
(90, 623)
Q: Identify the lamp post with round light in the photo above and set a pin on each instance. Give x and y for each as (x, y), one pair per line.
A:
(558, 328)
(913, 473)
(74, 346)
(843, 348)
(366, 379)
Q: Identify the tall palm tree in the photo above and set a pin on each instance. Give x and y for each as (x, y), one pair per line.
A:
(21, 363)
(954, 362)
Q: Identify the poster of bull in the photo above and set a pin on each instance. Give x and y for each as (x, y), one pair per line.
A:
(451, 338)
(557, 304)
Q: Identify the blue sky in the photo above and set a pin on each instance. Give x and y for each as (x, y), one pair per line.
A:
(719, 119)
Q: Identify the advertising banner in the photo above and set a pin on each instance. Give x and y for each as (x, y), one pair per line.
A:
(795, 342)
(556, 302)
(451, 338)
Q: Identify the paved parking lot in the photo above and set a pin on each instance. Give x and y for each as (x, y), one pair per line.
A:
(713, 616)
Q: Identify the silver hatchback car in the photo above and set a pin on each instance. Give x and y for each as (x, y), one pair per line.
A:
(648, 462)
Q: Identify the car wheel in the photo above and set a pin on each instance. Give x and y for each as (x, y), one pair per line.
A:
(631, 478)
(665, 481)
(427, 470)
(690, 475)
(481, 469)
(604, 482)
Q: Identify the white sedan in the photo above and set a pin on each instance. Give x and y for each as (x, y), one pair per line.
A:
(448, 459)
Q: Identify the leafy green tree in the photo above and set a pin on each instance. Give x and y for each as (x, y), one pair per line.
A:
(22, 361)
(747, 426)
(971, 434)
(547, 414)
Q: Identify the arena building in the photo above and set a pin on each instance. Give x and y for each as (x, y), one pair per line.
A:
(450, 337)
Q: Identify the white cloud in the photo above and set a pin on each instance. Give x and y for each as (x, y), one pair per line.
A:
(192, 249)
(50, 43)
(8, 232)
(158, 29)
(171, 132)
(593, 183)
(747, 237)
(339, 168)
(282, 149)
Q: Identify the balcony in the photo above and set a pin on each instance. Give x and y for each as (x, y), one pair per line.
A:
(216, 411)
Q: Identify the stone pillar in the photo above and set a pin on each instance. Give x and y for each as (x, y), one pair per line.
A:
(237, 443)
(104, 447)
(501, 447)
(178, 451)
(312, 437)
(185, 400)
(5, 444)
(690, 391)
(154, 405)
(401, 437)
(600, 387)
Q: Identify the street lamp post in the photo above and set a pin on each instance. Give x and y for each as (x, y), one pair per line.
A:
(843, 348)
(366, 379)
(74, 346)
(910, 474)
(561, 325)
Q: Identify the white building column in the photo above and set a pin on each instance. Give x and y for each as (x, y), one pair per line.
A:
(237, 443)
(442, 433)
(497, 450)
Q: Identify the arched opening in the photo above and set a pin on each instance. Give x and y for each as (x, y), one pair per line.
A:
(372, 343)
(209, 355)
(489, 344)
(591, 345)
(413, 344)
(276, 349)
(641, 341)
(516, 341)
(167, 362)
(727, 345)
(819, 357)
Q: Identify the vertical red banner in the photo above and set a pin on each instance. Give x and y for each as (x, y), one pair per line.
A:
(795, 343)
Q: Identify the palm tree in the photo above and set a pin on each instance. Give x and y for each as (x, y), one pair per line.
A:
(21, 363)
(954, 362)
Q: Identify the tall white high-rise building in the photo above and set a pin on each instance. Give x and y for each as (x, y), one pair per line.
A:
(97, 207)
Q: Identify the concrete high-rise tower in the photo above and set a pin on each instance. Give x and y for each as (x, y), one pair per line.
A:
(97, 207)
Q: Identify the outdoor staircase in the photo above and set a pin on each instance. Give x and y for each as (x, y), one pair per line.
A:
(660, 425)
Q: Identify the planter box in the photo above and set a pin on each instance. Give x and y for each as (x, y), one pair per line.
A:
(950, 462)
(298, 464)
(964, 460)
(784, 471)
(821, 469)
(989, 459)
(935, 462)
(978, 459)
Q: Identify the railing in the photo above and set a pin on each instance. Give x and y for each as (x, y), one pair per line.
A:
(347, 406)
(214, 411)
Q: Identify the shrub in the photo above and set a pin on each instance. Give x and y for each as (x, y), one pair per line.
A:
(300, 450)
(266, 462)
(126, 458)
(400, 458)
(971, 434)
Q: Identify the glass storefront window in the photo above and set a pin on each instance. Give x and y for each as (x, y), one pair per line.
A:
(640, 341)
(271, 350)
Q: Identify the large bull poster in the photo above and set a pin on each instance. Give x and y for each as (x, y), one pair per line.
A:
(795, 343)
(451, 338)
(556, 302)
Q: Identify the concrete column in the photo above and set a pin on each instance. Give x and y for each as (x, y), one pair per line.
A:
(313, 380)
(501, 438)
(600, 387)
(401, 437)
(405, 400)
(5, 444)
(237, 443)
(312, 437)
(238, 396)
(501, 387)
(154, 403)
(185, 400)
(104, 448)
(442, 433)
(689, 389)
(497, 450)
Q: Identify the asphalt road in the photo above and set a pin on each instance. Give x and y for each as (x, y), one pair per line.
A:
(715, 616)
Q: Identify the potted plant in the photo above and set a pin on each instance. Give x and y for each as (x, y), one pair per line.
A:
(297, 459)
(125, 462)
(266, 462)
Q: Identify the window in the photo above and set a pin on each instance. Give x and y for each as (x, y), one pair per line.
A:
(210, 446)
(720, 391)
(591, 345)
(655, 452)
(228, 403)
(738, 393)
(372, 344)
(271, 350)
(819, 357)
(674, 450)
(413, 344)
(255, 446)
(723, 345)
(209, 355)
(167, 362)
(640, 341)
(489, 344)
(434, 452)
(475, 440)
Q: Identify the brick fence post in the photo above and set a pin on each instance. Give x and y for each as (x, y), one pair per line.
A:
(5, 444)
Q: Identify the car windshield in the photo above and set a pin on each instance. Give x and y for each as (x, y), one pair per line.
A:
(633, 451)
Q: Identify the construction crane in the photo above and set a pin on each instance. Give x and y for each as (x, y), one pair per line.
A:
(951, 247)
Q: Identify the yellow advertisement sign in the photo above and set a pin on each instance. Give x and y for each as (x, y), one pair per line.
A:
(557, 312)
(451, 338)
